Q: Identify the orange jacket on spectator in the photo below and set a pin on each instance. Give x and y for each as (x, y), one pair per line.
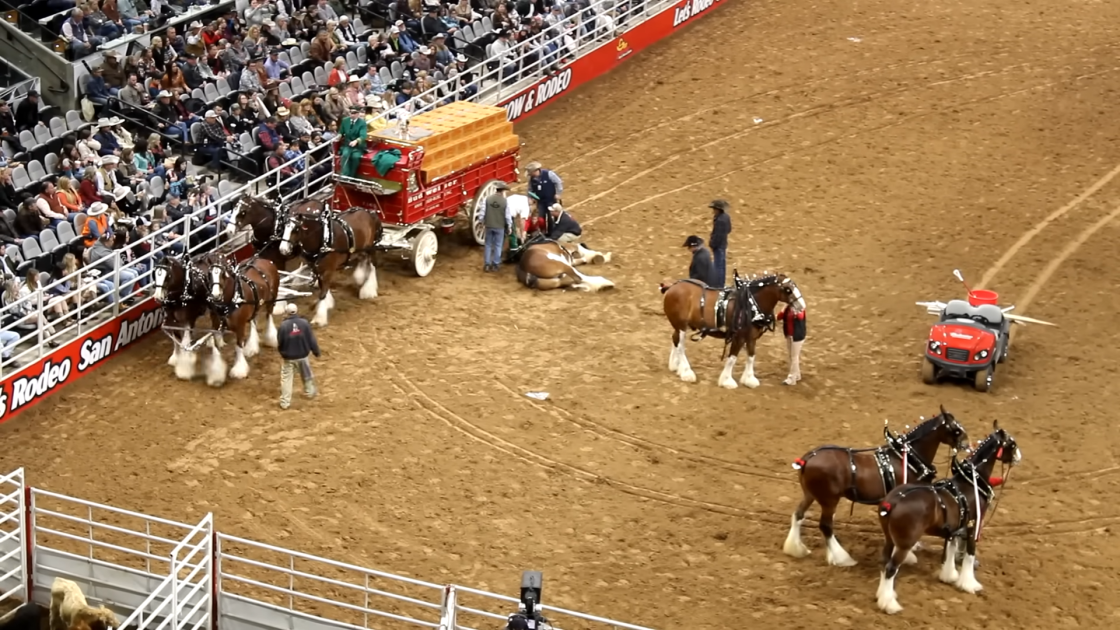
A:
(70, 200)
(178, 82)
(338, 75)
(102, 221)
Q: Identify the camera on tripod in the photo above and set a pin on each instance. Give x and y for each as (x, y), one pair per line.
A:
(528, 615)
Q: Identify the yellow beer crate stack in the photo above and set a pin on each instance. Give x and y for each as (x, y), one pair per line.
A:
(463, 133)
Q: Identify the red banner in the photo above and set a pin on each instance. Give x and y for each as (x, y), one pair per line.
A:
(605, 58)
(68, 363)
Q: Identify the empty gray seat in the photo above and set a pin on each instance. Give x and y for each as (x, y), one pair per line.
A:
(66, 234)
(49, 242)
(958, 308)
(991, 314)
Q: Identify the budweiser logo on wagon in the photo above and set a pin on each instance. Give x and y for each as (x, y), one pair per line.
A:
(40, 379)
(549, 89)
(691, 9)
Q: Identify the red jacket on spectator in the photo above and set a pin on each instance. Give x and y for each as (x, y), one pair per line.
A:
(88, 192)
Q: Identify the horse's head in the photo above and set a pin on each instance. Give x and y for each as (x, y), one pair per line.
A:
(170, 278)
(217, 274)
(252, 212)
(789, 293)
(952, 433)
(999, 446)
(295, 228)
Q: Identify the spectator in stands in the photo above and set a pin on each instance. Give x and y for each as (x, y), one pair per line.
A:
(254, 78)
(257, 12)
(69, 290)
(276, 68)
(133, 93)
(463, 12)
(125, 17)
(105, 138)
(234, 56)
(155, 147)
(161, 54)
(127, 168)
(55, 305)
(175, 42)
(107, 260)
(214, 139)
(9, 130)
(27, 114)
(191, 72)
(283, 126)
(28, 220)
(283, 30)
(68, 198)
(173, 79)
(80, 41)
(254, 44)
(334, 107)
(167, 116)
(97, 224)
(338, 75)
(112, 71)
(215, 62)
(49, 207)
(300, 120)
(9, 198)
(267, 136)
(196, 45)
(145, 162)
(326, 12)
(321, 47)
(87, 188)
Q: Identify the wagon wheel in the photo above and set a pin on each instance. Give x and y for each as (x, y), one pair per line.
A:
(424, 249)
(478, 210)
(982, 380)
(929, 372)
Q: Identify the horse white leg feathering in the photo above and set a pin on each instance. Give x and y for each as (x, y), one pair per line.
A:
(215, 368)
(966, 581)
(793, 545)
(888, 599)
(184, 367)
(726, 377)
(278, 309)
(253, 344)
(748, 379)
(174, 358)
(674, 357)
(836, 555)
(684, 370)
(949, 573)
(591, 283)
(240, 365)
(271, 338)
(369, 285)
(360, 273)
(322, 310)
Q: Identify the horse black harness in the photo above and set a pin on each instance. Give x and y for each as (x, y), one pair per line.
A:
(240, 278)
(720, 316)
(327, 220)
(920, 471)
(186, 297)
(964, 474)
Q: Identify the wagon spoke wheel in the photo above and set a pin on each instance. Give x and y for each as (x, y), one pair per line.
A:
(424, 249)
(478, 210)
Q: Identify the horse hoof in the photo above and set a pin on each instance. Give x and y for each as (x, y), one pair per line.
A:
(688, 376)
(597, 259)
(949, 578)
(890, 607)
(910, 558)
(729, 384)
(751, 382)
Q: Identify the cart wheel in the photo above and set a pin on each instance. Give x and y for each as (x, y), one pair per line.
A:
(982, 380)
(478, 210)
(424, 249)
(929, 372)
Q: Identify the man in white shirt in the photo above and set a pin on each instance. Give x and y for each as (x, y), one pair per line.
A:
(517, 213)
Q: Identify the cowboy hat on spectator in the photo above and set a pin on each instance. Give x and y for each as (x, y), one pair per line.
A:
(116, 121)
(163, 94)
(102, 123)
(461, 58)
(424, 50)
(110, 159)
(195, 24)
(282, 111)
(97, 209)
(120, 192)
(289, 42)
(210, 114)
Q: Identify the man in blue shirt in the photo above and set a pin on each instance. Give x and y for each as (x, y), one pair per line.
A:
(721, 228)
(276, 68)
(546, 187)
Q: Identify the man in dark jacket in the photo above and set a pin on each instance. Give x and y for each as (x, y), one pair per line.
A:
(27, 113)
(701, 267)
(721, 228)
(296, 342)
(496, 223)
(546, 187)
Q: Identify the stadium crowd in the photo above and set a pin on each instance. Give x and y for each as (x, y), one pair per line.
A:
(247, 92)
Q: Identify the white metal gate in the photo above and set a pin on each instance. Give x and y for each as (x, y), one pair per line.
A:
(13, 539)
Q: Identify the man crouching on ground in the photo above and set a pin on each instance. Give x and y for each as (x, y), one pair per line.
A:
(296, 343)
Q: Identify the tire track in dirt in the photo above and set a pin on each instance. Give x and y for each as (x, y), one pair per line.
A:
(817, 145)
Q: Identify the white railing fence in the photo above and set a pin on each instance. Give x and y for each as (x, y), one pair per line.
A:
(158, 574)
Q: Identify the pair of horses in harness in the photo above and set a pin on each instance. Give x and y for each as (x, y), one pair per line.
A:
(233, 295)
(328, 242)
(831, 473)
(739, 315)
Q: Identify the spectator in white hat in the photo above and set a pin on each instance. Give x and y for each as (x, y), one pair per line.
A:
(214, 139)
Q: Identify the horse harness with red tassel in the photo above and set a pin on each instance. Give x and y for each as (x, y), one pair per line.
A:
(966, 472)
(919, 470)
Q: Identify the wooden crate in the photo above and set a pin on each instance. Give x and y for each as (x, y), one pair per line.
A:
(462, 134)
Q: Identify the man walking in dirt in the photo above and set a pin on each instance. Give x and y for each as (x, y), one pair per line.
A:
(297, 342)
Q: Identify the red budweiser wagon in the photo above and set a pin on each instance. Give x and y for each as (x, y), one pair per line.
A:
(428, 170)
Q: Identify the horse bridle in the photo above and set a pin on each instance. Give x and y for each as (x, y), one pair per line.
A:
(279, 217)
(188, 276)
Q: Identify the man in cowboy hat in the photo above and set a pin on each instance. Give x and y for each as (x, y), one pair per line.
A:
(276, 67)
(721, 228)
(565, 229)
(105, 137)
(296, 343)
(214, 139)
(97, 91)
(546, 187)
(353, 132)
(701, 267)
(467, 87)
(97, 223)
(496, 224)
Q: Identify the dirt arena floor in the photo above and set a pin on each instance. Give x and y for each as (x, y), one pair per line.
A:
(867, 150)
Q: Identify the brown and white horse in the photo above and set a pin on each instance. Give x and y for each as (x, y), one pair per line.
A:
(180, 290)
(727, 314)
(329, 241)
(237, 295)
(546, 264)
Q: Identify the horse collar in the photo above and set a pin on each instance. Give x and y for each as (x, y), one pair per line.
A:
(921, 470)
